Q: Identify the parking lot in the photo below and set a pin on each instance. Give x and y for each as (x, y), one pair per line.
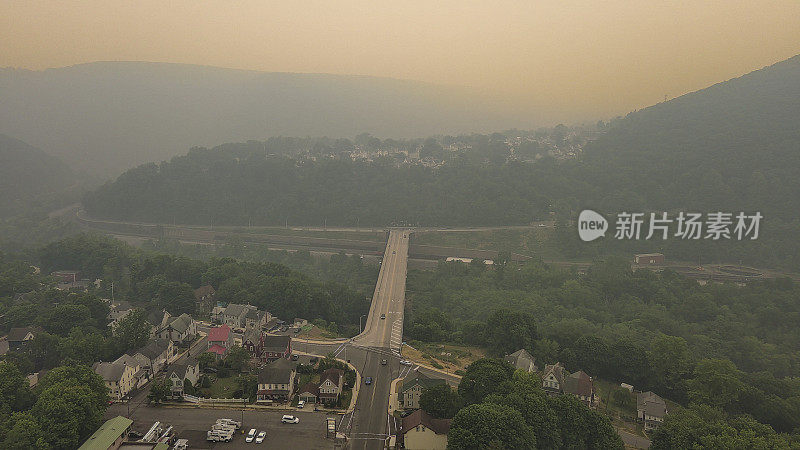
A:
(192, 424)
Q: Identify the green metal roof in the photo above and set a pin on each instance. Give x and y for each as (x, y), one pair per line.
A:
(105, 436)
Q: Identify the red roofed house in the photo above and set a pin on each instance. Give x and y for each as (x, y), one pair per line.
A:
(220, 340)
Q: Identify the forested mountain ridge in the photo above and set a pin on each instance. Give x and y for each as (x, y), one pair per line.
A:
(734, 142)
(110, 116)
(27, 172)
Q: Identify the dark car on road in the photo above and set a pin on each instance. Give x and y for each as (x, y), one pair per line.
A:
(368, 380)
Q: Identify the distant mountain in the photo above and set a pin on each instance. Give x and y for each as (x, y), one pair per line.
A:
(27, 173)
(113, 115)
(734, 144)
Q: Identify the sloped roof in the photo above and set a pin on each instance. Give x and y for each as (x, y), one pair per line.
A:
(579, 383)
(107, 434)
(333, 374)
(310, 388)
(221, 333)
(420, 417)
(218, 349)
(254, 314)
(276, 344)
(181, 323)
(155, 347)
(18, 334)
(128, 360)
(203, 291)
(236, 310)
(109, 371)
(418, 378)
(651, 404)
(521, 359)
(253, 335)
(557, 370)
(276, 372)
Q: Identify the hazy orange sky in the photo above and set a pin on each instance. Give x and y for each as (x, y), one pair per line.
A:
(582, 58)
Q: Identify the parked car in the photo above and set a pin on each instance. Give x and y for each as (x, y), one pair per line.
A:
(251, 435)
(383, 316)
(289, 419)
(368, 380)
(301, 403)
(383, 362)
(260, 437)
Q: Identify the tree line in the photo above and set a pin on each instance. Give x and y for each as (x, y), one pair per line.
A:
(733, 348)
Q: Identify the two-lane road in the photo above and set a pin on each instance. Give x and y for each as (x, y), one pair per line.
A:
(384, 326)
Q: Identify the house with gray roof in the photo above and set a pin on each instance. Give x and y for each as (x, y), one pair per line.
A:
(276, 381)
(521, 359)
(157, 352)
(650, 409)
(18, 337)
(181, 329)
(411, 389)
(179, 374)
(118, 377)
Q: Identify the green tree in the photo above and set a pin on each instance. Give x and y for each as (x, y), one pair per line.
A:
(159, 391)
(238, 358)
(440, 401)
(177, 298)
(508, 331)
(206, 360)
(716, 382)
(25, 433)
(69, 413)
(66, 377)
(488, 426)
(132, 331)
(483, 377)
(15, 394)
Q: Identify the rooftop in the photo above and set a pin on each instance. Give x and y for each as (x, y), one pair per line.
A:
(109, 432)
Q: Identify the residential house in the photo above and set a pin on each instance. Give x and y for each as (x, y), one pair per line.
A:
(556, 381)
(253, 341)
(234, 315)
(420, 431)
(309, 393)
(181, 329)
(140, 365)
(117, 314)
(158, 352)
(581, 385)
(330, 385)
(110, 435)
(118, 377)
(255, 318)
(276, 381)
(220, 340)
(158, 320)
(276, 347)
(204, 294)
(18, 337)
(650, 409)
(521, 359)
(553, 379)
(179, 374)
(411, 389)
(272, 324)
